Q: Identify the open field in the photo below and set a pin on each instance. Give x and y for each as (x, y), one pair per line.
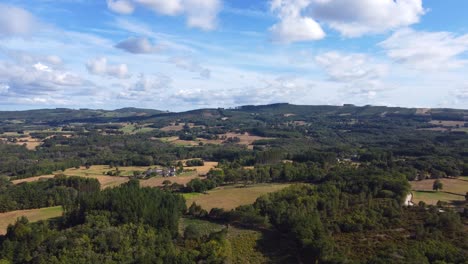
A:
(446, 123)
(202, 170)
(133, 129)
(96, 171)
(453, 190)
(247, 246)
(158, 181)
(31, 143)
(178, 127)
(33, 215)
(230, 197)
(243, 242)
(93, 172)
(33, 179)
(245, 139)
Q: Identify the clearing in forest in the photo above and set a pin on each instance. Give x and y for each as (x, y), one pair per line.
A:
(453, 191)
(34, 215)
(230, 197)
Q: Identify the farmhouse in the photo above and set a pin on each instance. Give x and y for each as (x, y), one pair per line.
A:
(171, 172)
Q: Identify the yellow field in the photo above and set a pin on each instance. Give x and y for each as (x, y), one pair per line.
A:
(93, 172)
(96, 172)
(453, 191)
(230, 197)
(202, 170)
(33, 179)
(31, 143)
(33, 215)
(158, 181)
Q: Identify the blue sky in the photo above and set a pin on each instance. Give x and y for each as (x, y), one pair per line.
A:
(186, 54)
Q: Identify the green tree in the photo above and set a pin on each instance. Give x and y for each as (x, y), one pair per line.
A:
(437, 185)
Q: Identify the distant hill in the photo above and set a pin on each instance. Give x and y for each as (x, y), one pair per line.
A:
(248, 112)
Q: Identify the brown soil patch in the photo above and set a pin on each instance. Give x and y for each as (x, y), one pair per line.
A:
(202, 170)
(423, 111)
(33, 179)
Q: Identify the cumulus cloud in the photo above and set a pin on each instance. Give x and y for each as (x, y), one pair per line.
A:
(351, 18)
(427, 50)
(27, 58)
(99, 66)
(200, 13)
(267, 90)
(146, 87)
(137, 45)
(294, 27)
(16, 21)
(38, 78)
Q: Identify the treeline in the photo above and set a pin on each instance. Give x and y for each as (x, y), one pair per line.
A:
(52, 192)
(324, 222)
(127, 224)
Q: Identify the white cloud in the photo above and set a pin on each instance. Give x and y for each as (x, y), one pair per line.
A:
(354, 18)
(188, 64)
(99, 66)
(16, 21)
(120, 6)
(350, 67)
(4, 88)
(293, 26)
(41, 67)
(295, 29)
(146, 87)
(39, 78)
(300, 19)
(361, 75)
(137, 46)
(200, 13)
(427, 50)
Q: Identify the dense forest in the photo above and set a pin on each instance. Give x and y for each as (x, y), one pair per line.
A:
(349, 168)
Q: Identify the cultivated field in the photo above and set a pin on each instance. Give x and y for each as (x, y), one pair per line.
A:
(28, 141)
(202, 170)
(178, 127)
(230, 197)
(33, 179)
(158, 181)
(33, 215)
(446, 123)
(93, 172)
(245, 139)
(134, 129)
(96, 172)
(453, 190)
